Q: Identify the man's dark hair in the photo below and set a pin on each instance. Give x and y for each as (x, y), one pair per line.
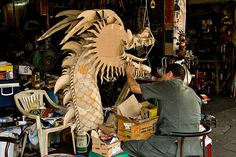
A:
(177, 70)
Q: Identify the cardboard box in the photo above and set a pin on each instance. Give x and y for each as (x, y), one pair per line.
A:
(148, 110)
(104, 149)
(6, 67)
(132, 130)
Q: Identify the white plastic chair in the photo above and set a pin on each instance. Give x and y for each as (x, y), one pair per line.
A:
(26, 102)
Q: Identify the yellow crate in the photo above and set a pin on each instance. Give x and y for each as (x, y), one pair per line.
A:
(148, 110)
(6, 67)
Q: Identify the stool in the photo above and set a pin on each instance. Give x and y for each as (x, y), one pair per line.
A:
(201, 134)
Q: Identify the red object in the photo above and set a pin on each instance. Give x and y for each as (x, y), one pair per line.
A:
(46, 112)
(43, 7)
(169, 13)
(209, 150)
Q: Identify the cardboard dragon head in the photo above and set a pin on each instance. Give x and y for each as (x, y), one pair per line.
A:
(96, 41)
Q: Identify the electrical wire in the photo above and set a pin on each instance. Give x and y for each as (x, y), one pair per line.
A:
(146, 23)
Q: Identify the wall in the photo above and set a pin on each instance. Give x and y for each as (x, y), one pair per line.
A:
(208, 1)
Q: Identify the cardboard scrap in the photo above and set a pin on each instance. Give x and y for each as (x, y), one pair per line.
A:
(130, 107)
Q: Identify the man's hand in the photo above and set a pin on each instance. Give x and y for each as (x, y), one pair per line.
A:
(130, 70)
(133, 84)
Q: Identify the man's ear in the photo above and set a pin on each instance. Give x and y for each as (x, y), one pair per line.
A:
(170, 75)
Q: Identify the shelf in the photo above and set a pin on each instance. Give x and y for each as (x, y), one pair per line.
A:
(208, 61)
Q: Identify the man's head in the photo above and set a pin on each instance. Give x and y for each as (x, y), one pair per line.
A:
(173, 71)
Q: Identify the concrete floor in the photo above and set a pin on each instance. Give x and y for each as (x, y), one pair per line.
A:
(224, 134)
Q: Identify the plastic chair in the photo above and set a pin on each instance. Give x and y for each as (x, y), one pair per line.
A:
(32, 100)
(201, 135)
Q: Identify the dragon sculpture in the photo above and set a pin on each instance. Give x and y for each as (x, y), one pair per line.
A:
(96, 41)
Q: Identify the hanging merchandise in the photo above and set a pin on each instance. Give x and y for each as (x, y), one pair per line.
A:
(43, 7)
(146, 26)
(153, 4)
(179, 20)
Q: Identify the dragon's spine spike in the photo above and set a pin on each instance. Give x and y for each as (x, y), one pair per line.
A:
(69, 115)
(116, 71)
(97, 26)
(67, 97)
(89, 52)
(89, 45)
(102, 71)
(82, 25)
(68, 62)
(107, 71)
(94, 32)
(72, 46)
(62, 82)
(112, 71)
(72, 25)
(103, 22)
(123, 56)
(84, 28)
(68, 13)
(71, 54)
(65, 71)
(93, 57)
(98, 69)
(100, 25)
(60, 25)
(96, 64)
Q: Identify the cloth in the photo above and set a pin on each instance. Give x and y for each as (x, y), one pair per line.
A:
(33, 134)
(180, 111)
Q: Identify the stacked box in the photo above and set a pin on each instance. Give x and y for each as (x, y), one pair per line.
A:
(104, 149)
(132, 130)
(6, 71)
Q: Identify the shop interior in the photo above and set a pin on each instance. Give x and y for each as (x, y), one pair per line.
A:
(198, 34)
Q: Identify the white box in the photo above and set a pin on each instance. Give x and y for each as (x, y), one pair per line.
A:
(25, 70)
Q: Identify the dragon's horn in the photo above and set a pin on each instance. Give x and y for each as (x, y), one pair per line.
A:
(62, 82)
(60, 25)
(69, 13)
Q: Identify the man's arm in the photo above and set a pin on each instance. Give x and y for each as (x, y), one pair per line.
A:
(133, 84)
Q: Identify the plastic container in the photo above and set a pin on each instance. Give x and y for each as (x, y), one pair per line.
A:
(7, 91)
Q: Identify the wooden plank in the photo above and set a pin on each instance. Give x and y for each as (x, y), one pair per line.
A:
(123, 94)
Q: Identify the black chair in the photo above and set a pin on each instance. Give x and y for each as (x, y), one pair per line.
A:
(184, 135)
